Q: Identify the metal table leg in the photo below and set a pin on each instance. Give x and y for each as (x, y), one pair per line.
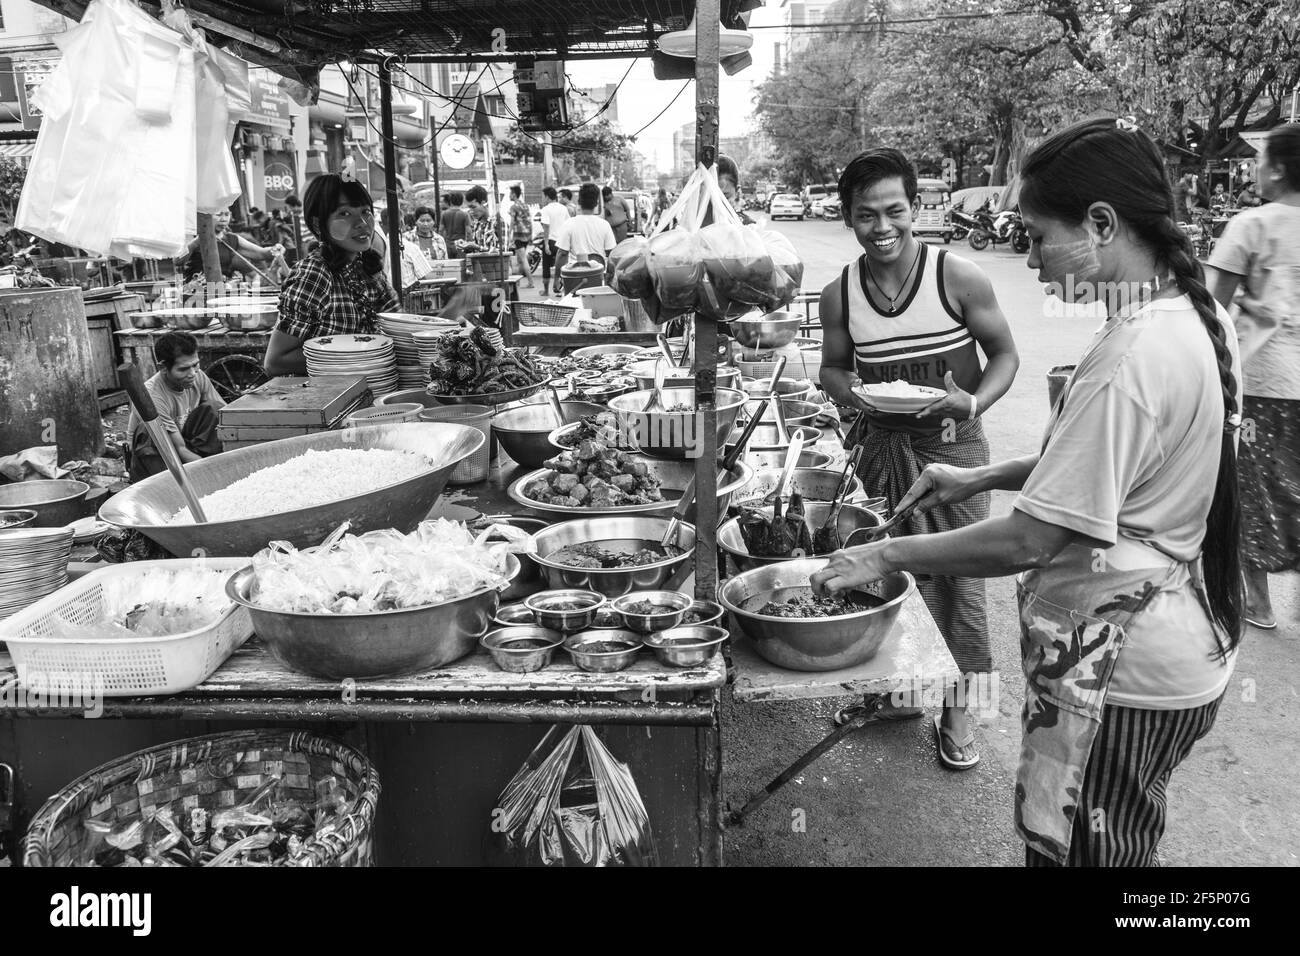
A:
(872, 704)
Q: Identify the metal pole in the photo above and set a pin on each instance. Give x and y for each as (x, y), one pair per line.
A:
(707, 24)
(390, 179)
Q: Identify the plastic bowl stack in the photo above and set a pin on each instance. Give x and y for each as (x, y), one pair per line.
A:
(370, 355)
(33, 563)
(402, 327)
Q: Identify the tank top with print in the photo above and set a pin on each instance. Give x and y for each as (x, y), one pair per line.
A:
(923, 339)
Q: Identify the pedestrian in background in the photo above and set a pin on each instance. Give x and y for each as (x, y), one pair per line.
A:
(554, 215)
(455, 223)
(616, 214)
(1259, 255)
(521, 233)
(566, 197)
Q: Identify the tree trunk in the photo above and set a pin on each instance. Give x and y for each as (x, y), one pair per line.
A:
(1003, 144)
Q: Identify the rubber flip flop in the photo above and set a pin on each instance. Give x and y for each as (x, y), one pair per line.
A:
(941, 734)
(1262, 627)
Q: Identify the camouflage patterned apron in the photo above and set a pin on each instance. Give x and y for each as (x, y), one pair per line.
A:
(1074, 620)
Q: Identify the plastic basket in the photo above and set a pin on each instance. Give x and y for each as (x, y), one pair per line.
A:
(390, 413)
(476, 466)
(213, 772)
(128, 667)
(541, 313)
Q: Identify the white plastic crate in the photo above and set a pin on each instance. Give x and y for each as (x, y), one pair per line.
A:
(127, 666)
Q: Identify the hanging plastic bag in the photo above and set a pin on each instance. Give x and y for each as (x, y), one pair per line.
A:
(628, 270)
(571, 804)
(738, 265)
(786, 277)
(676, 270)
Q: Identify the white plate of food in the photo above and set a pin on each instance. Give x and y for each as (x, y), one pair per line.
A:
(899, 396)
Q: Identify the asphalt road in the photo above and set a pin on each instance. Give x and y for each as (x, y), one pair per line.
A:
(882, 798)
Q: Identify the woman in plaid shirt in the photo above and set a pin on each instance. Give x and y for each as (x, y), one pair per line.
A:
(339, 288)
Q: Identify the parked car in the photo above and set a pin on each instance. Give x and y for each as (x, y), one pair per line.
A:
(831, 209)
(785, 206)
(809, 196)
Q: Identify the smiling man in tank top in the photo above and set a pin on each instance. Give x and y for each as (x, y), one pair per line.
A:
(905, 311)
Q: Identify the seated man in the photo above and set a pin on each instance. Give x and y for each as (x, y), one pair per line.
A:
(187, 407)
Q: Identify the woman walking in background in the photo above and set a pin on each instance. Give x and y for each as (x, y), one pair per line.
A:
(1259, 254)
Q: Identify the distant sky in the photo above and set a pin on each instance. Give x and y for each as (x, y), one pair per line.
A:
(642, 96)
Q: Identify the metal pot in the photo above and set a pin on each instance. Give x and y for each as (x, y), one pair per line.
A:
(851, 519)
(815, 484)
(56, 501)
(523, 431)
(772, 331)
(811, 644)
(686, 646)
(627, 533)
(673, 434)
(367, 646)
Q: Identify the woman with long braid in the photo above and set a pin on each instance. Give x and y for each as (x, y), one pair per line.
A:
(1125, 533)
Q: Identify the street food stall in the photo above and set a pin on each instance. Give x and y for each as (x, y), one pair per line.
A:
(506, 542)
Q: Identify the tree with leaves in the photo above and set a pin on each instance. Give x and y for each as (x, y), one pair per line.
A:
(1194, 73)
(12, 177)
(589, 150)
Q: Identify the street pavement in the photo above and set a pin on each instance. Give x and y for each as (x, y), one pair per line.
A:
(882, 798)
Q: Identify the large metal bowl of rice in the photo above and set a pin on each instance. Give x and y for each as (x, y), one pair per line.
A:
(358, 490)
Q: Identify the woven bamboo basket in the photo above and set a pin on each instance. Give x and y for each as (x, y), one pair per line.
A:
(212, 772)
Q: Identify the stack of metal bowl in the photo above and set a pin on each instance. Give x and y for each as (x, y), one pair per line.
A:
(791, 388)
(797, 413)
(678, 376)
(851, 519)
(816, 643)
(627, 534)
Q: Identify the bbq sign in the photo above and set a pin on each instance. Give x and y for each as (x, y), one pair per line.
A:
(278, 180)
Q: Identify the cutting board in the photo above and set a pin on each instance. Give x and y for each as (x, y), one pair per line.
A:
(317, 401)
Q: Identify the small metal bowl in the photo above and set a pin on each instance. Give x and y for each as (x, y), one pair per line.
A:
(17, 518)
(705, 612)
(603, 661)
(607, 619)
(686, 646)
(567, 621)
(674, 605)
(514, 615)
(522, 650)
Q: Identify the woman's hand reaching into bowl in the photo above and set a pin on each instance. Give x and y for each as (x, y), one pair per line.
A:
(851, 568)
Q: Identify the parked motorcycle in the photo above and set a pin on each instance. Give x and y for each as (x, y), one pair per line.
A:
(962, 224)
(1006, 226)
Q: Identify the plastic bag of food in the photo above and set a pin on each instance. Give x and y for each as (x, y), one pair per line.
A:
(628, 269)
(676, 270)
(737, 263)
(571, 804)
(786, 277)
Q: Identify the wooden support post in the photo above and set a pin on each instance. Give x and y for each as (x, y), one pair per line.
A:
(211, 257)
(390, 180)
(707, 14)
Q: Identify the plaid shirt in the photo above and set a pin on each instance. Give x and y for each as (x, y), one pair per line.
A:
(316, 301)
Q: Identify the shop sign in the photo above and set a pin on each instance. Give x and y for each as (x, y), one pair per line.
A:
(28, 79)
(278, 178)
(269, 103)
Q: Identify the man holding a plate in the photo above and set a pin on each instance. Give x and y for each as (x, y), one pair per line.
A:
(901, 327)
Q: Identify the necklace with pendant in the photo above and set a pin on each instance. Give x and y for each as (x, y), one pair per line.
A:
(907, 278)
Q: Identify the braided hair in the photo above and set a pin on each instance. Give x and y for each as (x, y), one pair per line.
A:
(324, 195)
(1100, 161)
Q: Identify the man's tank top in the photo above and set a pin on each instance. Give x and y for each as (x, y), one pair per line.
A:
(920, 341)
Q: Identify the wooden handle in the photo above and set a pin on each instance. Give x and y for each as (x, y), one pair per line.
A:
(128, 377)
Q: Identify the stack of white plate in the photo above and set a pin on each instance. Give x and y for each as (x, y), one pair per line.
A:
(401, 327)
(426, 348)
(370, 355)
(33, 563)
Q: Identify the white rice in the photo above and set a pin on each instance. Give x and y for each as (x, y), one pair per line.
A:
(313, 478)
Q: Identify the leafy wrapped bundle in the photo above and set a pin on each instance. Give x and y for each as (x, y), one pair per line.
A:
(783, 534)
(797, 520)
(754, 527)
